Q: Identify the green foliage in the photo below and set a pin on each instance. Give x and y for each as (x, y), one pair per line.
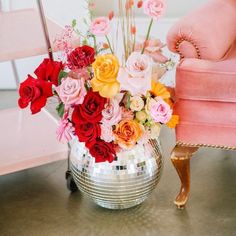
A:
(127, 105)
(60, 109)
(74, 23)
(62, 75)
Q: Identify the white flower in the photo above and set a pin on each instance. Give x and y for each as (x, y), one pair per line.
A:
(137, 75)
(136, 103)
(155, 130)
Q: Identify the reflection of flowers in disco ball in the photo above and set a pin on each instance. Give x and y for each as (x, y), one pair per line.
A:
(124, 183)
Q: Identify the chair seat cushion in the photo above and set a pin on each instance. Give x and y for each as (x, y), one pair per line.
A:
(207, 80)
(204, 122)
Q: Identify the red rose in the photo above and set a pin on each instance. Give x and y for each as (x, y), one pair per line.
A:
(91, 109)
(49, 70)
(36, 92)
(81, 57)
(101, 150)
(87, 131)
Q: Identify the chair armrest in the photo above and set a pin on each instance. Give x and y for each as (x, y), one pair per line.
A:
(206, 33)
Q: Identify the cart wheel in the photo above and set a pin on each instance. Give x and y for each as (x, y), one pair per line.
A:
(71, 185)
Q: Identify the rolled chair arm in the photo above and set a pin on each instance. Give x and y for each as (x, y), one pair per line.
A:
(206, 33)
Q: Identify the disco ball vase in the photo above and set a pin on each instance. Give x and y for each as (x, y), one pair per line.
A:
(124, 183)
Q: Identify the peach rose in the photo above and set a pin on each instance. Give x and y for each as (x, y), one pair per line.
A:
(127, 133)
(154, 8)
(100, 26)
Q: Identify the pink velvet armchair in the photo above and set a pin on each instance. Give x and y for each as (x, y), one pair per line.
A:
(205, 84)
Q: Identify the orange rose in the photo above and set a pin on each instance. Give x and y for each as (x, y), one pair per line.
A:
(127, 133)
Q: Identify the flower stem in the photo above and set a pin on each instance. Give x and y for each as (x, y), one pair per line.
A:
(109, 43)
(95, 43)
(148, 35)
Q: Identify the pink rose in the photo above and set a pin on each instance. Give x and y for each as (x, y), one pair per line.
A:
(65, 130)
(107, 133)
(154, 8)
(100, 26)
(135, 86)
(137, 76)
(161, 112)
(71, 91)
(139, 65)
(111, 113)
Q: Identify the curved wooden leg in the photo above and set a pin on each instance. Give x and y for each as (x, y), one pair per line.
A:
(180, 158)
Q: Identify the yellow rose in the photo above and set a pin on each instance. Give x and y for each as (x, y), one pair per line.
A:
(127, 133)
(106, 68)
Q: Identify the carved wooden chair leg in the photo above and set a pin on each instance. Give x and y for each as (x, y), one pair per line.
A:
(180, 158)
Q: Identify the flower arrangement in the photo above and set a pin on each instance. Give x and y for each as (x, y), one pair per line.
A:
(110, 104)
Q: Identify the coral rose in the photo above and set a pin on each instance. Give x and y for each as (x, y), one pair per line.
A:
(154, 8)
(106, 68)
(127, 133)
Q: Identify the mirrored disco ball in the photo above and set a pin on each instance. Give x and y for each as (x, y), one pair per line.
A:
(124, 183)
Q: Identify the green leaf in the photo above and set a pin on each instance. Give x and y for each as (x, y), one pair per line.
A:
(128, 101)
(87, 86)
(62, 75)
(60, 109)
(74, 23)
(85, 42)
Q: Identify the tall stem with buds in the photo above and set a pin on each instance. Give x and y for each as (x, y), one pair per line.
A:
(147, 36)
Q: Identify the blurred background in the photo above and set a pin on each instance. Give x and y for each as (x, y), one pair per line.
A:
(176, 8)
(63, 12)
